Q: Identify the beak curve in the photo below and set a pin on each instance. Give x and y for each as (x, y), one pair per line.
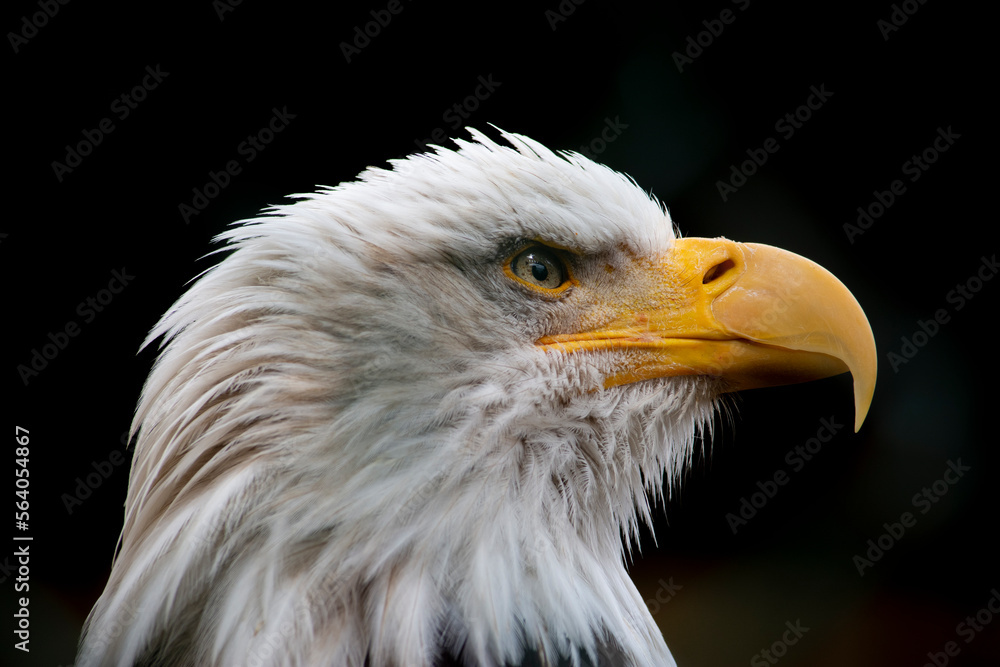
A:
(750, 314)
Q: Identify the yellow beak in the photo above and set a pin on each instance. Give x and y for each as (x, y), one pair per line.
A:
(752, 315)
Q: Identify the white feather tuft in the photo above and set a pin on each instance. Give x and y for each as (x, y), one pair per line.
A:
(349, 452)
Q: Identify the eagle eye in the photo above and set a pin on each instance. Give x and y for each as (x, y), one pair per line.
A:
(540, 267)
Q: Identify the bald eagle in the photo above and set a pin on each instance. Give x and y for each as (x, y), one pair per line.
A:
(416, 419)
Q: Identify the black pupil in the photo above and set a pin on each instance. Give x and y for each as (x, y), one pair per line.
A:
(539, 271)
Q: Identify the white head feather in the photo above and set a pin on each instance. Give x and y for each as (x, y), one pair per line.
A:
(350, 452)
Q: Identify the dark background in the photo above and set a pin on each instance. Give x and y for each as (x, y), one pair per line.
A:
(562, 74)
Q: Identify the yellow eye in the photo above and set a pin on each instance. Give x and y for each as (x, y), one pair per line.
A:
(540, 267)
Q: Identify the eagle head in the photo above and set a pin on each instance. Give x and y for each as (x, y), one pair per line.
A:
(417, 418)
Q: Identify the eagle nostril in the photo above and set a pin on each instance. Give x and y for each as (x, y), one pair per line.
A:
(718, 271)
